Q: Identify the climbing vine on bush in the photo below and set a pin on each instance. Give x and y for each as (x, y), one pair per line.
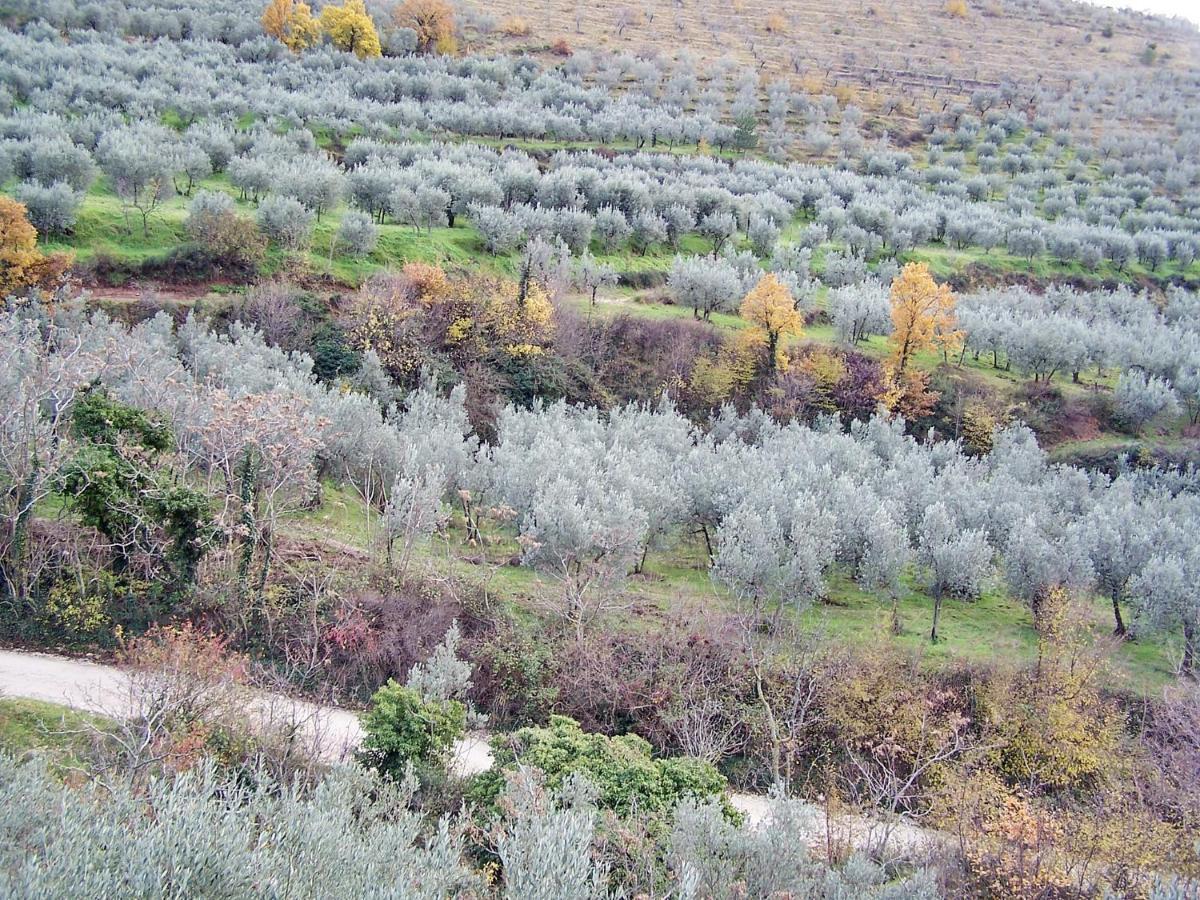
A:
(117, 483)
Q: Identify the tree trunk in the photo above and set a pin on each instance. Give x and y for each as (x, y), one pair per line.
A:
(772, 728)
(247, 490)
(472, 525)
(268, 546)
(1190, 649)
(20, 533)
(774, 627)
(937, 614)
(1120, 629)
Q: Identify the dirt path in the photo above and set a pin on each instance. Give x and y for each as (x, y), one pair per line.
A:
(336, 732)
(105, 689)
(133, 292)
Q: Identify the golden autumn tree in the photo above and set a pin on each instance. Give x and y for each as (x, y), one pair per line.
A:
(770, 308)
(292, 24)
(717, 377)
(923, 316)
(430, 282)
(433, 21)
(350, 28)
(826, 369)
(908, 394)
(22, 264)
(522, 326)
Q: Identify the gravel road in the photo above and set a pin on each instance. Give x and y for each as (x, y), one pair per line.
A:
(336, 732)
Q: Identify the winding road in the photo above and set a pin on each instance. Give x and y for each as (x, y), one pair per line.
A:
(334, 732)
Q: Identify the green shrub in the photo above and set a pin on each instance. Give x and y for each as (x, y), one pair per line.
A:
(118, 483)
(401, 728)
(332, 355)
(621, 769)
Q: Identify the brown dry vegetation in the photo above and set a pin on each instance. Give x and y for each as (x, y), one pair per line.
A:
(862, 51)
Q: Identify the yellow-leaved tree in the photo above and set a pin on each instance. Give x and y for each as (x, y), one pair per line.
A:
(22, 264)
(350, 28)
(433, 21)
(770, 308)
(292, 24)
(717, 377)
(923, 316)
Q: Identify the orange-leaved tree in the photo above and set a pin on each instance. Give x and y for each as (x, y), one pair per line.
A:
(770, 307)
(429, 282)
(351, 29)
(292, 24)
(923, 316)
(433, 21)
(22, 264)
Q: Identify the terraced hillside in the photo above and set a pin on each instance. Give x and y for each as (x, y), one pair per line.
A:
(889, 58)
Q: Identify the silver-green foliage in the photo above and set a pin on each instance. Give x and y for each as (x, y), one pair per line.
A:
(1140, 399)
(202, 834)
(52, 209)
(444, 675)
(286, 221)
(357, 234)
(546, 844)
(715, 860)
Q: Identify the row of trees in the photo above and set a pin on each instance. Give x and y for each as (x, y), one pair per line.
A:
(1064, 331)
(780, 507)
(886, 210)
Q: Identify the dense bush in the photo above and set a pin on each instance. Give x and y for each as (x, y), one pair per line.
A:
(357, 234)
(232, 239)
(286, 221)
(204, 832)
(52, 209)
(626, 777)
(401, 728)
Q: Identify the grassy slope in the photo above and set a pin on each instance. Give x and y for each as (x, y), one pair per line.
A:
(994, 628)
(33, 726)
(104, 229)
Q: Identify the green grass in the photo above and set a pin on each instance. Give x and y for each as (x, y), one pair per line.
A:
(29, 727)
(946, 261)
(106, 227)
(993, 629)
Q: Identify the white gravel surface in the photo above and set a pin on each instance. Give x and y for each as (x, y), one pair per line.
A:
(336, 732)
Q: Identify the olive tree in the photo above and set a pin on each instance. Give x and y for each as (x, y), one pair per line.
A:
(286, 221)
(706, 284)
(1139, 399)
(859, 311)
(958, 559)
(357, 234)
